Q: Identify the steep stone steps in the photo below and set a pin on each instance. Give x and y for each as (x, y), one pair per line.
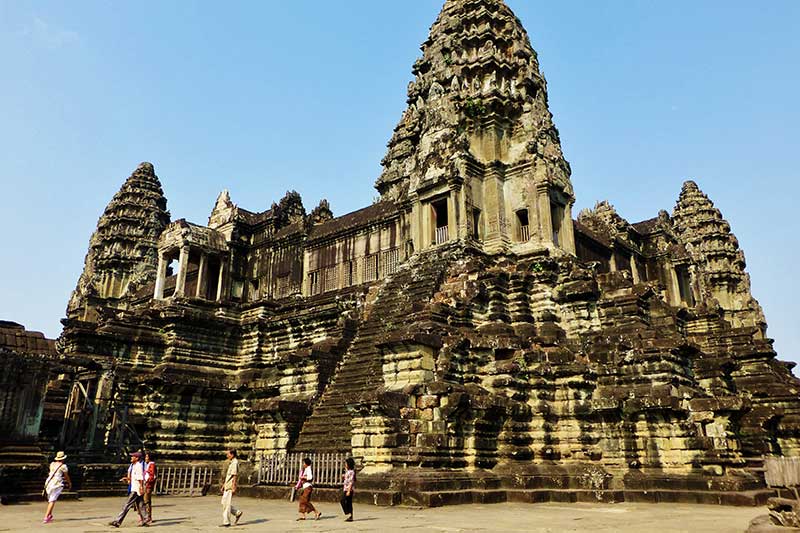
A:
(361, 370)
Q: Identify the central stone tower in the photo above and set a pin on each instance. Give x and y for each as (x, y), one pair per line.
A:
(476, 155)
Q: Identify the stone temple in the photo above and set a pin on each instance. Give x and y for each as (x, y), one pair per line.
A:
(464, 337)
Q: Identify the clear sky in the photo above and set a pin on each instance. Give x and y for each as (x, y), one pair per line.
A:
(264, 96)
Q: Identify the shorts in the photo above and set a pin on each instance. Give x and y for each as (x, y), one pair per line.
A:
(53, 494)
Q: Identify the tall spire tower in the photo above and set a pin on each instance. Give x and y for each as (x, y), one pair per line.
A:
(476, 155)
(123, 250)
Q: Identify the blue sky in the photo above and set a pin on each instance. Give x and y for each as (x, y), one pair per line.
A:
(261, 97)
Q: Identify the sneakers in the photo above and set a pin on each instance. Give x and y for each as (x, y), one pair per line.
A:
(114, 523)
(237, 516)
(47, 519)
(224, 525)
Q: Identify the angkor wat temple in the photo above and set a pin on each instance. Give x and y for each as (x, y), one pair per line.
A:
(465, 337)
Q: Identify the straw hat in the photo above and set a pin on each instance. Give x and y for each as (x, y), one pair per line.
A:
(60, 456)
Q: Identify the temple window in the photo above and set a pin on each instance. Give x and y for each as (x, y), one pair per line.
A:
(439, 211)
(371, 267)
(523, 226)
(389, 262)
(556, 218)
(349, 273)
(328, 279)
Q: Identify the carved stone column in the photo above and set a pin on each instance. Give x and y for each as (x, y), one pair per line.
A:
(545, 218)
(674, 288)
(494, 208)
(202, 274)
(635, 270)
(183, 266)
(220, 279)
(161, 275)
(568, 231)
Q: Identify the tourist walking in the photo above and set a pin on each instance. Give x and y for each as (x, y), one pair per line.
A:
(149, 483)
(57, 479)
(305, 486)
(228, 490)
(348, 485)
(135, 480)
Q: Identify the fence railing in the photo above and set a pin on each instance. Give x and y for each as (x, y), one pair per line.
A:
(184, 480)
(284, 468)
(783, 472)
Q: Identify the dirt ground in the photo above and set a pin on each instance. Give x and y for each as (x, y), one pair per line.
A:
(204, 514)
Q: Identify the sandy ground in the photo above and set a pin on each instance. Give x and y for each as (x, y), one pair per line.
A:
(204, 514)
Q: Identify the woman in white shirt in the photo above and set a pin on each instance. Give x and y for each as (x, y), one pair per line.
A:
(57, 479)
(306, 486)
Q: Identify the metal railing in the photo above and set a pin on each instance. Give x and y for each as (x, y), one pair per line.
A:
(442, 235)
(284, 468)
(185, 480)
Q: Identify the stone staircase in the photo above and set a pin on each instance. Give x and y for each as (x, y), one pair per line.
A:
(22, 470)
(361, 371)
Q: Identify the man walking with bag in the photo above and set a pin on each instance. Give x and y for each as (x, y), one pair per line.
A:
(229, 486)
(135, 478)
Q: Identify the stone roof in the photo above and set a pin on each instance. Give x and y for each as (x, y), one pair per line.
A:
(646, 227)
(357, 219)
(251, 218)
(287, 231)
(582, 228)
(183, 232)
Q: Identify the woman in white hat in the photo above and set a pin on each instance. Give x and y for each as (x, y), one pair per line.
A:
(56, 481)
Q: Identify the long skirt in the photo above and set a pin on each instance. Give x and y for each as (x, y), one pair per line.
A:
(305, 501)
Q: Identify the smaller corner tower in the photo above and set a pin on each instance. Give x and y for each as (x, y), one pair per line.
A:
(719, 262)
(123, 250)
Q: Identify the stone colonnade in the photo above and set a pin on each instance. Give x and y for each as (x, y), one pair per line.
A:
(201, 289)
